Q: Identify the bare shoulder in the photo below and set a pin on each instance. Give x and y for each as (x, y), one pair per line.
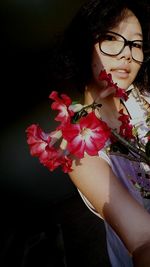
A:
(90, 173)
(96, 180)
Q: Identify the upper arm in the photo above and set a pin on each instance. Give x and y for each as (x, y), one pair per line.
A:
(95, 179)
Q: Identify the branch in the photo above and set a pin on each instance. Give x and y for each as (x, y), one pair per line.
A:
(132, 147)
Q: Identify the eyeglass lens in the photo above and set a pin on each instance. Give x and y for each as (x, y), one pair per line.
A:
(113, 44)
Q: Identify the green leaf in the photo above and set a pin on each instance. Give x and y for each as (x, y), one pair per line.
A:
(147, 134)
(147, 149)
(118, 147)
(74, 102)
(148, 118)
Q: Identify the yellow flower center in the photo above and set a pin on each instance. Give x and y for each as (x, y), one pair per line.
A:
(85, 132)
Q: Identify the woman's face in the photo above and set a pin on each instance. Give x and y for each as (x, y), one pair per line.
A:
(122, 67)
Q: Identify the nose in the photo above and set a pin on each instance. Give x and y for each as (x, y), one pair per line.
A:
(126, 53)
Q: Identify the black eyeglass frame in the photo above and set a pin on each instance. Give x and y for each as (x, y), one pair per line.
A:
(126, 43)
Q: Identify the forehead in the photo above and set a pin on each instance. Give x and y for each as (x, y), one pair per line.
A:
(129, 25)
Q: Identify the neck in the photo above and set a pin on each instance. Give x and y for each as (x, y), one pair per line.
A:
(109, 102)
(110, 105)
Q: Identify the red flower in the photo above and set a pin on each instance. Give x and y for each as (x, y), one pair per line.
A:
(37, 141)
(103, 76)
(89, 135)
(52, 161)
(66, 164)
(62, 105)
(42, 146)
(83, 133)
(56, 158)
(126, 127)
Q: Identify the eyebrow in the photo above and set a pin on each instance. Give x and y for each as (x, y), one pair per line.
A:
(139, 34)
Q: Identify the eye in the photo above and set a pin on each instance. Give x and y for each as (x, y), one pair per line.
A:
(138, 45)
(109, 37)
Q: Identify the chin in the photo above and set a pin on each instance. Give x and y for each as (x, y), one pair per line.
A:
(122, 84)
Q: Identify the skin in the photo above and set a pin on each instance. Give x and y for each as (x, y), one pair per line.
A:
(92, 175)
(122, 68)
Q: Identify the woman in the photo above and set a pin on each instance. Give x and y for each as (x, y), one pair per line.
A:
(103, 181)
(112, 35)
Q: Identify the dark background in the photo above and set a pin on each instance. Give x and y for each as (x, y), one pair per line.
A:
(43, 221)
(28, 29)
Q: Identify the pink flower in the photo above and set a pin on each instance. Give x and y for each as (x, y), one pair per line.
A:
(62, 105)
(103, 76)
(89, 135)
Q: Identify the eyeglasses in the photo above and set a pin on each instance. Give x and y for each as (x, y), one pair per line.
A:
(112, 44)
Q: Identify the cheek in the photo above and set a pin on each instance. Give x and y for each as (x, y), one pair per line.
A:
(104, 63)
(96, 68)
(135, 71)
(97, 65)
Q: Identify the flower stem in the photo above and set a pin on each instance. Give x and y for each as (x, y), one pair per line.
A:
(82, 112)
(94, 105)
(132, 147)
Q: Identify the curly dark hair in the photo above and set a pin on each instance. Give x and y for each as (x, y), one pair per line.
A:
(71, 63)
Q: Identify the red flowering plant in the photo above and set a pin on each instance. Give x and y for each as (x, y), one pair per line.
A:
(80, 131)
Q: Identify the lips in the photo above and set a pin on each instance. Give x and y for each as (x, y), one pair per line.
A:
(121, 71)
